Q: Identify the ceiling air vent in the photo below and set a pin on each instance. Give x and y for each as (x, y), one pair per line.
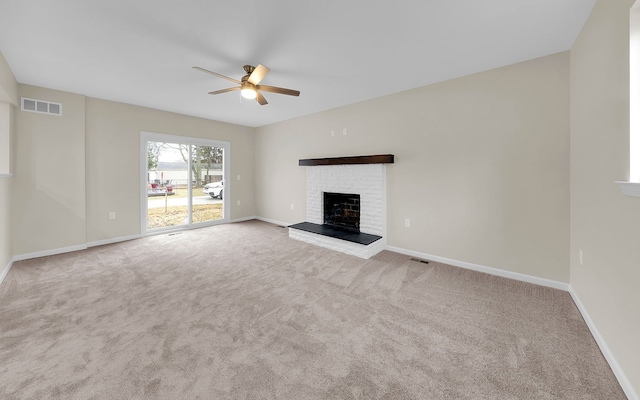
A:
(41, 106)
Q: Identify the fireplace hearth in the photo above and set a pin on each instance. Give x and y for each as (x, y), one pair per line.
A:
(337, 233)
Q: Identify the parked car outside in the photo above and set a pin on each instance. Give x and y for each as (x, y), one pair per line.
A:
(214, 189)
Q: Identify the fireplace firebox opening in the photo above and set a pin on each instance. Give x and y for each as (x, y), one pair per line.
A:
(342, 210)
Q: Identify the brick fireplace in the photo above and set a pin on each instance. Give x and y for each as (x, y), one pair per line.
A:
(344, 182)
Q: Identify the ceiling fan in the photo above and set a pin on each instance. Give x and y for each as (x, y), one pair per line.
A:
(249, 84)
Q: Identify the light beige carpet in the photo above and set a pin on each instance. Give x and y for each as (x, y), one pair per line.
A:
(240, 311)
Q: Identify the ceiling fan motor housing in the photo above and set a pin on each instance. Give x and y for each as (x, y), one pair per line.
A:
(248, 69)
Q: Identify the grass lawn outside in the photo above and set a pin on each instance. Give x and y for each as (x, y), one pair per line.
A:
(183, 192)
(177, 215)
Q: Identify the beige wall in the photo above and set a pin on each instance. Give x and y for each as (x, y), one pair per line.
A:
(8, 96)
(481, 165)
(8, 84)
(5, 223)
(113, 162)
(71, 171)
(8, 103)
(6, 252)
(5, 139)
(48, 190)
(604, 223)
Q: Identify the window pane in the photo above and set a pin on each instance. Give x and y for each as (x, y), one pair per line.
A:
(167, 184)
(208, 185)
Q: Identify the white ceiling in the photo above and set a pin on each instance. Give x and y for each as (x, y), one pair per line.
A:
(335, 52)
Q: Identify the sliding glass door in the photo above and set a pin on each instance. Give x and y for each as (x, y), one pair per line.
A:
(208, 204)
(183, 182)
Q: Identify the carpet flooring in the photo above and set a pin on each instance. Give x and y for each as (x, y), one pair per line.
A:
(240, 311)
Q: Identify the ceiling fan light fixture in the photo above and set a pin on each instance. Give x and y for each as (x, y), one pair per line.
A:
(249, 86)
(248, 92)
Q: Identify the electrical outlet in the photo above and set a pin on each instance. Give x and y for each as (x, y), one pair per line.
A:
(112, 215)
(238, 177)
(407, 223)
(292, 206)
(238, 202)
(344, 131)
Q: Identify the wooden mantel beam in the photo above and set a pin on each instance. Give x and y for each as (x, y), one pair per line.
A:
(375, 159)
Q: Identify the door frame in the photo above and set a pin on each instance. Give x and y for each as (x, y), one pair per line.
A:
(226, 173)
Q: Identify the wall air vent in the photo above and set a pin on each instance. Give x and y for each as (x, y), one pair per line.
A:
(41, 106)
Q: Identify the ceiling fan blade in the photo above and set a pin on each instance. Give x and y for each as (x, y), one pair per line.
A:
(260, 98)
(274, 89)
(218, 75)
(231, 89)
(258, 74)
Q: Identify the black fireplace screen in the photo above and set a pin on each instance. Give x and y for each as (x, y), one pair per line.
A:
(342, 210)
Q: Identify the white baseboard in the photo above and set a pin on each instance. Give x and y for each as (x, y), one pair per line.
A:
(113, 240)
(6, 270)
(242, 219)
(52, 252)
(273, 221)
(615, 367)
(487, 270)
(94, 243)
